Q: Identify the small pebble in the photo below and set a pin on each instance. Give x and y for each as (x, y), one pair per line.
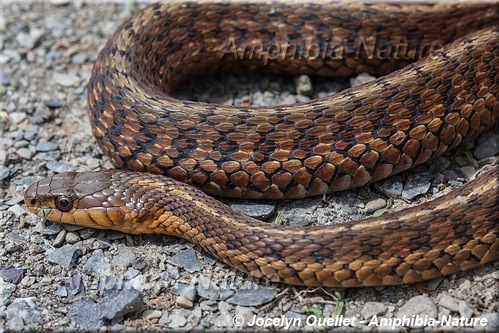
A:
(418, 182)
(374, 205)
(46, 146)
(152, 314)
(418, 306)
(97, 265)
(65, 256)
(52, 103)
(371, 309)
(256, 210)
(304, 86)
(254, 296)
(488, 145)
(183, 302)
(5, 79)
(187, 260)
(208, 289)
(391, 187)
(361, 79)
(25, 153)
(66, 79)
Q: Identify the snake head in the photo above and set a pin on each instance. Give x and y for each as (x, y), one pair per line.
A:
(84, 198)
(131, 202)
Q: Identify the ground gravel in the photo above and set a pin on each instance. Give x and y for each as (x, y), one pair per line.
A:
(55, 277)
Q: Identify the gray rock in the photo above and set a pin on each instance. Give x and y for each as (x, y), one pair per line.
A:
(17, 117)
(302, 98)
(97, 265)
(5, 78)
(449, 302)
(418, 182)
(131, 273)
(85, 314)
(371, 309)
(245, 313)
(224, 320)
(117, 301)
(254, 296)
(465, 311)
(492, 322)
(72, 237)
(462, 160)
(374, 205)
(304, 86)
(59, 167)
(79, 58)
(224, 307)
(65, 256)
(184, 302)
(52, 103)
(124, 257)
(152, 314)
(300, 318)
(185, 290)
(468, 171)
(21, 314)
(13, 55)
(488, 145)
(31, 132)
(6, 290)
(418, 306)
(208, 289)
(433, 284)
(17, 210)
(441, 163)
(74, 285)
(139, 263)
(61, 291)
(187, 260)
(4, 172)
(60, 238)
(29, 40)
(258, 211)
(226, 293)
(361, 79)
(391, 187)
(46, 146)
(176, 320)
(209, 305)
(66, 79)
(456, 305)
(449, 175)
(12, 274)
(25, 153)
(208, 259)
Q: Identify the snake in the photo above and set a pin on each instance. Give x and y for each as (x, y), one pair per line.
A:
(437, 85)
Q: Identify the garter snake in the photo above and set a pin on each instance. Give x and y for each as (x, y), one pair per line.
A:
(360, 135)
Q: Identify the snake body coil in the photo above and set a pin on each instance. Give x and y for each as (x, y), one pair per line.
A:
(347, 140)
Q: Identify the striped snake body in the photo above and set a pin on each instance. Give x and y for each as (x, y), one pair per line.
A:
(346, 140)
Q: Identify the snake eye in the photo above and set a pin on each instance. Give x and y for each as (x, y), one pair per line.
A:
(63, 203)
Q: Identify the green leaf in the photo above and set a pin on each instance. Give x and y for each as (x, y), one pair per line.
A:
(278, 217)
(383, 210)
(469, 156)
(340, 303)
(314, 311)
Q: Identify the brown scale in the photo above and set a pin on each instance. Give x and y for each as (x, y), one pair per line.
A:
(331, 144)
(402, 119)
(453, 233)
